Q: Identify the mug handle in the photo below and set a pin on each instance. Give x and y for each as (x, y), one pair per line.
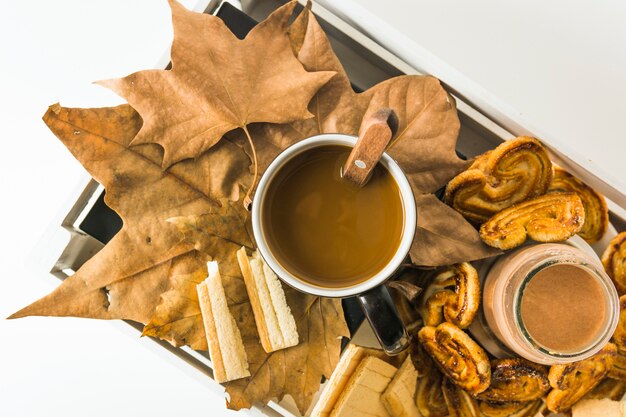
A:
(380, 311)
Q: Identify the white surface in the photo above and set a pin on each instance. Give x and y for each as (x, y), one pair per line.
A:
(555, 69)
(52, 51)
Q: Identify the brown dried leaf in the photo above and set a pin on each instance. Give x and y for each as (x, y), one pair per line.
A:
(428, 129)
(218, 83)
(126, 278)
(178, 318)
(444, 237)
(424, 146)
(296, 371)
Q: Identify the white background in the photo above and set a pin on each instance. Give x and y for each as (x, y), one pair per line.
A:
(560, 63)
(52, 51)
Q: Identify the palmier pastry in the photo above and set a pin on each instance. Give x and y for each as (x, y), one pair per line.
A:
(458, 356)
(512, 409)
(572, 381)
(453, 295)
(596, 211)
(429, 395)
(613, 389)
(549, 218)
(515, 171)
(460, 403)
(614, 261)
(618, 371)
(619, 336)
(516, 380)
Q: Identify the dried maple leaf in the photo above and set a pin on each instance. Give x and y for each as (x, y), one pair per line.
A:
(126, 278)
(178, 318)
(296, 371)
(424, 146)
(443, 235)
(218, 83)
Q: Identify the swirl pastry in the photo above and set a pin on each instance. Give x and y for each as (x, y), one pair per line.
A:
(515, 171)
(614, 261)
(572, 381)
(549, 218)
(458, 356)
(596, 211)
(429, 395)
(618, 371)
(619, 336)
(613, 389)
(512, 409)
(453, 295)
(460, 403)
(516, 380)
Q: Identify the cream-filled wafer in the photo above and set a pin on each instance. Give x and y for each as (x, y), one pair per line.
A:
(274, 321)
(224, 339)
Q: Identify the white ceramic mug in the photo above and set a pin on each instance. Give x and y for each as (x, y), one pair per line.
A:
(371, 293)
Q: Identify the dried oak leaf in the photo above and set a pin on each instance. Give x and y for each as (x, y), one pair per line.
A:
(424, 146)
(125, 279)
(218, 83)
(296, 371)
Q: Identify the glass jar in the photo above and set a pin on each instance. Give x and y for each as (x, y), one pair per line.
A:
(503, 288)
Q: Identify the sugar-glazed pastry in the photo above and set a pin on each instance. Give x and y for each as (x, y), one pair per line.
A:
(515, 171)
(429, 395)
(549, 218)
(512, 409)
(516, 380)
(572, 381)
(458, 356)
(613, 389)
(459, 402)
(453, 295)
(596, 211)
(614, 261)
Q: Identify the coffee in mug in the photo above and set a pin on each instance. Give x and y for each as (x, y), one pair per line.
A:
(325, 230)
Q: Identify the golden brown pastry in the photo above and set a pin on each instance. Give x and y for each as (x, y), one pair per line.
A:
(429, 395)
(596, 211)
(460, 403)
(614, 261)
(618, 371)
(458, 356)
(549, 218)
(512, 409)
(572, 381)
(613, 389)
(515, 171)
(619, 336)
(453, 295)
(516, 380)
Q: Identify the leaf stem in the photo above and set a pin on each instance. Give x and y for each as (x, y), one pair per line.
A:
(247, 201)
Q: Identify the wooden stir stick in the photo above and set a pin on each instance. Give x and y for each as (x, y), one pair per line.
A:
(375, 133)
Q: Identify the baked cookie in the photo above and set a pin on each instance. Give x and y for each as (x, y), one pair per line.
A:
(549, 218)
(512, 409)
(572, 381)
(516, 380)
(613, 389)
(515, 171)
(614, 261)
(453, 295)
(596, 211)
(459, 402)
(458, 356)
